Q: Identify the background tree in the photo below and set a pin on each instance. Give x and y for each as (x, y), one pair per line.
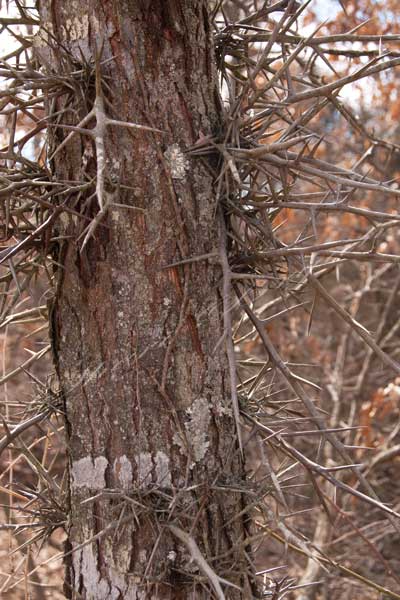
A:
(164, 208)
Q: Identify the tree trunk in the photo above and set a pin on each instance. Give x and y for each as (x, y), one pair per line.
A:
(154, 468)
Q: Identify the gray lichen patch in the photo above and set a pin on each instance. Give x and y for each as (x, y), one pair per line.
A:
(154, 469)
(89, 572)
(123, 471)
(89, 473)
(177, 161)
(163, 474)
(199, 417)
(89, 578)
(144, 467)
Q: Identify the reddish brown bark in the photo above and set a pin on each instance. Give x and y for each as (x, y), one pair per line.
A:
(137, 346)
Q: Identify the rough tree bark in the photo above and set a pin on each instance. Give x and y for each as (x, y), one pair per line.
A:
(138, 347)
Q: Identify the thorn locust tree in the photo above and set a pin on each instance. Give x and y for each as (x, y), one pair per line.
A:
(154, 468)
(207, 245)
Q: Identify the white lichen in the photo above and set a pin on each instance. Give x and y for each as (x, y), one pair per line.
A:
(123, 471)
(89, 473)
(86, 569)
(76, 28)
(163, 474)
(145, 467)
(199, 417)
(153, 469)
(171, 556)
(177, 161)
(88, 577)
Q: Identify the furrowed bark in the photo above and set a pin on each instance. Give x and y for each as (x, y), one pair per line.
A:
(137, 346)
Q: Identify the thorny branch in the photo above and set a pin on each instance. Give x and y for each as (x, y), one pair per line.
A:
(280, 186)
